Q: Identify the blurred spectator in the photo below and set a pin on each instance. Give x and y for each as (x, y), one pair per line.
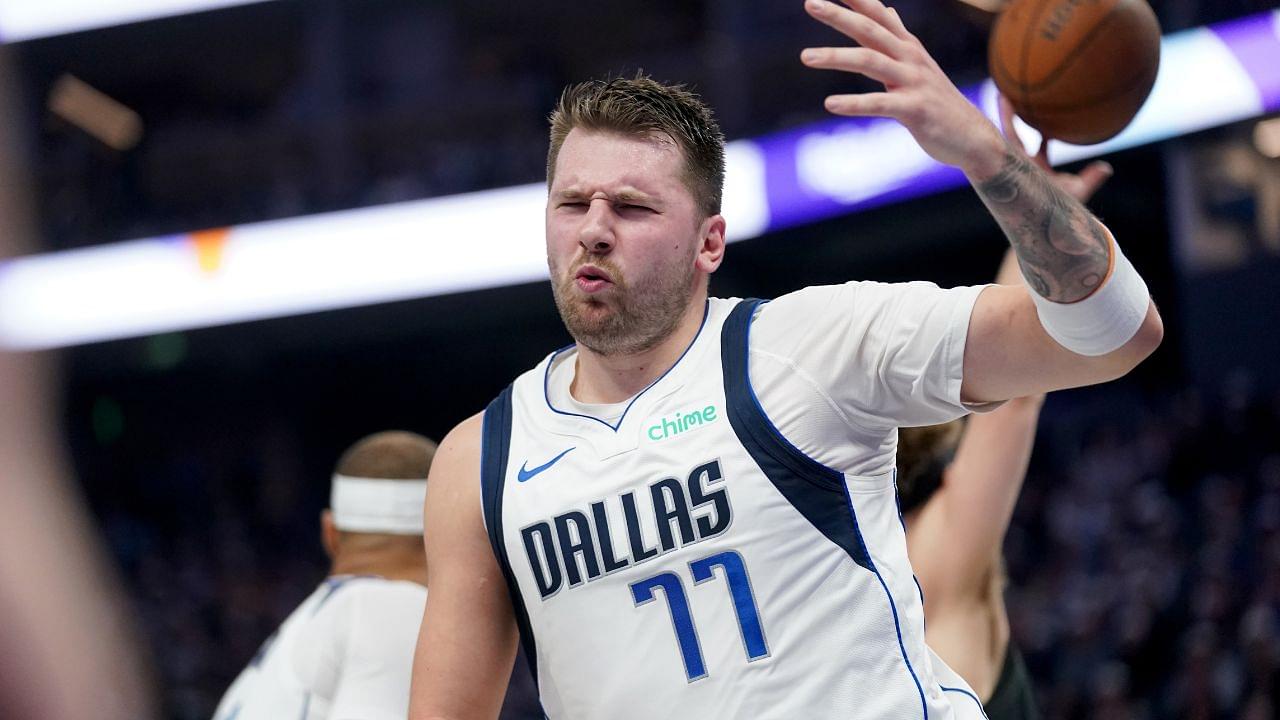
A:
(1142, 588)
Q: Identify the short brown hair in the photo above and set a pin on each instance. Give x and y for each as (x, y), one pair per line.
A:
(641, 106)
(923, 455)
(390, 455)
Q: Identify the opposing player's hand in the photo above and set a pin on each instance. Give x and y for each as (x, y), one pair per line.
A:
(917, 93)
(1082, 186)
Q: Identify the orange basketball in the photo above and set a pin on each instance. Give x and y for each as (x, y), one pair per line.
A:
(1076, 70)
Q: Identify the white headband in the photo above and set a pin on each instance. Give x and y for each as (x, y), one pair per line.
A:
(377, 506)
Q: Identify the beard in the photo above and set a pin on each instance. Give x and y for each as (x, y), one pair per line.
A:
(630, 319)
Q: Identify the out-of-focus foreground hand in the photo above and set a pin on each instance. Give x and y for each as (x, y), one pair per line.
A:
(70, 651)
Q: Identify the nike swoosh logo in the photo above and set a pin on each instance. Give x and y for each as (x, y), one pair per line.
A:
(527, 474)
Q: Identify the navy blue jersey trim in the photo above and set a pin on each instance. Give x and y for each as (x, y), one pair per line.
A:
(495, 449)
(897, 624)
(967, 694)
(335, 583)
(546, 378)
(331, 586)
(813, 489)
(897, 502)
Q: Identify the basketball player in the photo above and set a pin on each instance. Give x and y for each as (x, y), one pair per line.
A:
(691, 512)
(346, 652)
(957, 488)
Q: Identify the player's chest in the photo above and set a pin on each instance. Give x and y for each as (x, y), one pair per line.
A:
(576, 514)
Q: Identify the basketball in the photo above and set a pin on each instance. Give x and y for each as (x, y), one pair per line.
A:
(1076, 70)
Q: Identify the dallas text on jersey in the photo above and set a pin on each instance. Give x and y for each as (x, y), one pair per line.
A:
(577, 547)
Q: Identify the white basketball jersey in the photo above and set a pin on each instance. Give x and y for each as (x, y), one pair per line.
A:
(346, 651)
(686, 561)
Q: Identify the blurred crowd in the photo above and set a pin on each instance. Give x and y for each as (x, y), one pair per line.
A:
(1144, 556)
(333, 104)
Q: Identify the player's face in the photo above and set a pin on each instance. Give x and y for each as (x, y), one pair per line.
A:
(623, 238)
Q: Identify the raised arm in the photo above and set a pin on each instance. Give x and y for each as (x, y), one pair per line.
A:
(1076, 281)
(983, 481)
(990, 465)
(1066, 254)
(467, 642)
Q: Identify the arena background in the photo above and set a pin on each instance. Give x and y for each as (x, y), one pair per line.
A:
(1144, 556)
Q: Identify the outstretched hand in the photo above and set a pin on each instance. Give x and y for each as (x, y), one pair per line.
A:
(1081, 186)
(917, 92)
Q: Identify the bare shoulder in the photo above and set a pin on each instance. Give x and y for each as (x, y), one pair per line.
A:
(467, 639)
(452, 510)
(457, 460)
(464, 438)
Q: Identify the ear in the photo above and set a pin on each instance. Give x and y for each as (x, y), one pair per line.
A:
(329, 534)
(711, 251)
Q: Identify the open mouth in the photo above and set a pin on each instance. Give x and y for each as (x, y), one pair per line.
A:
(592, 279)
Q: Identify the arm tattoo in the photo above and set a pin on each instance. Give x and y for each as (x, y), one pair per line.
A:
(1062, 250)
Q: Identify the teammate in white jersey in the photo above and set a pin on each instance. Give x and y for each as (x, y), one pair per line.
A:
(691, 512)
(346, 652)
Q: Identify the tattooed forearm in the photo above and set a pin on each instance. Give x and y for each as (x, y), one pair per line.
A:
(1062, 249)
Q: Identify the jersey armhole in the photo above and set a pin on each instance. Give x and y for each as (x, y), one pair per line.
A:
(494, 453)
(743, 402)
(816, 491)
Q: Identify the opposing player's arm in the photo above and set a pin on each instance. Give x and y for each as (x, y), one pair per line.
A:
(1066, 254)
(976, 501)
(467, 642)
(955, 553)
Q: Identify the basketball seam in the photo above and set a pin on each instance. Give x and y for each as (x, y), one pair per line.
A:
(1026, 59)
(1129, 85)
(1075, 53)
(1000, 71)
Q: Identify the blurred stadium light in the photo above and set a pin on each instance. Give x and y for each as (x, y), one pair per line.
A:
(29, 19)
(493, 238)
(94, 112)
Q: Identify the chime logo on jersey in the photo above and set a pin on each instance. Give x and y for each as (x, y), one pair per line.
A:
(668, 426)
(578, 546)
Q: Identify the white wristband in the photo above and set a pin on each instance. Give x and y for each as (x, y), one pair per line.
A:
(373, 505)
(1104, 321)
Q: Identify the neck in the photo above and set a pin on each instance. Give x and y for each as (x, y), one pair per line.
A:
(614, 378)
(413, 569)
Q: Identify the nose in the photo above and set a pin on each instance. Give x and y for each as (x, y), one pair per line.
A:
(596, 234)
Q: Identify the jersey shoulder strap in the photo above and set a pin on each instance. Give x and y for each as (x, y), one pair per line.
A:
(495, 451)
(815, 490)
